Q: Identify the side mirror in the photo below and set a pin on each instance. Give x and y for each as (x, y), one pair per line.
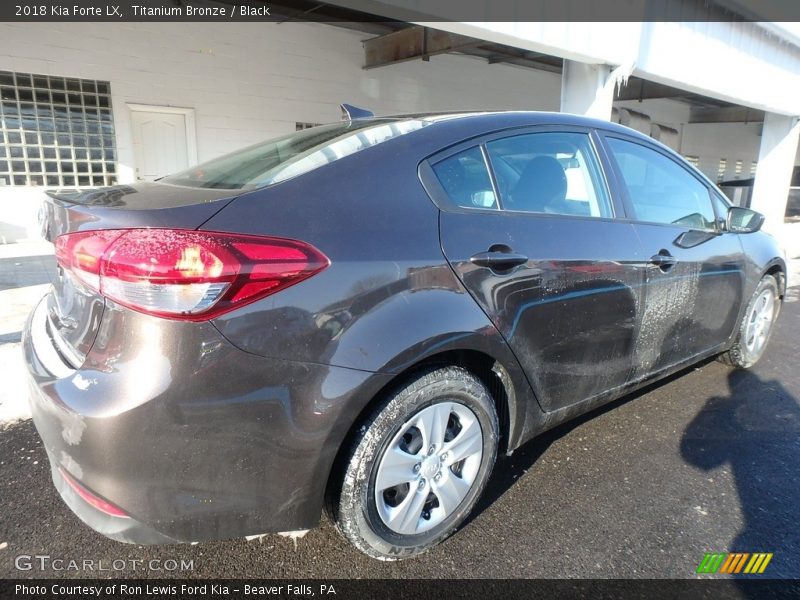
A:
(743, 220)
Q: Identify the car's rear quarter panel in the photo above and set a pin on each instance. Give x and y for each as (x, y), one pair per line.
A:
(192, 436)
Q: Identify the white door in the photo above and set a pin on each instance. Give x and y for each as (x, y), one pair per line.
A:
(159, 143)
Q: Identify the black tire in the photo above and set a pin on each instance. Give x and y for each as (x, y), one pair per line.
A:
(355, 509)
(742, 355)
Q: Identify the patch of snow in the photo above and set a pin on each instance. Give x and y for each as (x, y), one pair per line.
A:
(294, 535)
(14, 405)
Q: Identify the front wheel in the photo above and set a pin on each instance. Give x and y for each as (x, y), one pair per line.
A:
(418, 465)
(756, 325)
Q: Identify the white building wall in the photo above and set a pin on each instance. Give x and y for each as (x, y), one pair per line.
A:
(248, 82)
(714, 141)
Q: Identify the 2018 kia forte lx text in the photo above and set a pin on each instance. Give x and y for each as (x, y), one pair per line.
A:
(363, 315)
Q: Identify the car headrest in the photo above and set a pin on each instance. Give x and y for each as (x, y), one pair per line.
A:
(542, 183)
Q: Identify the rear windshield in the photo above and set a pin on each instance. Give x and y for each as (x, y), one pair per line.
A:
(292, 155)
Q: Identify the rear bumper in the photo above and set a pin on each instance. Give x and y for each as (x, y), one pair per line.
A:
(190, 436)
(127, 530)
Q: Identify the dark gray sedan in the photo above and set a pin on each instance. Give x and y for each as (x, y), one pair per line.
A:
(363, 315)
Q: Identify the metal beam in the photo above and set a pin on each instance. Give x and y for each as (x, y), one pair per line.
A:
(413, 43)
(641, 89)
(497, 53)
(523, 62)
(728, 114)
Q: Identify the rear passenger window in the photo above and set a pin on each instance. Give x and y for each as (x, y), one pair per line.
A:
(465, 179)
(549, 173)
(660, 190)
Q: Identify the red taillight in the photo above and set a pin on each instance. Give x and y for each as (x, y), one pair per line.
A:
(96, 501)
(81, 252)
(193, 275)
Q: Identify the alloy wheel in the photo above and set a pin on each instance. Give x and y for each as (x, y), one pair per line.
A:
(759, 321)
(428, 468)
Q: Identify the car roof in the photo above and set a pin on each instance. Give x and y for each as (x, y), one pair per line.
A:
(525, 117)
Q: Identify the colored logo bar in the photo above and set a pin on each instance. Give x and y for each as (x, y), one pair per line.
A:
(734, 562)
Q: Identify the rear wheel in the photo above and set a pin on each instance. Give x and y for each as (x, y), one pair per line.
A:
(756, 326)
(418, 465)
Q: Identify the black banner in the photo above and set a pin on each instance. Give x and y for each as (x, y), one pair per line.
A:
(401, 589)
(399, 10)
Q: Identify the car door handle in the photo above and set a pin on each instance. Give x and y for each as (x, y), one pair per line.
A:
(663, 260)
(498, 260)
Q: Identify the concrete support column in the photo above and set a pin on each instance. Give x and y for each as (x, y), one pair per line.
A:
(774, 172)
(587, 89)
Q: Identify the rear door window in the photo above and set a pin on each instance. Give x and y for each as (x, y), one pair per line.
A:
(549, 172)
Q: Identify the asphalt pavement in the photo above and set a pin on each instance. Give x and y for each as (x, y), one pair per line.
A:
(706, 461)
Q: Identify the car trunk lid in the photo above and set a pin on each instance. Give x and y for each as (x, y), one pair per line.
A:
(74, 310)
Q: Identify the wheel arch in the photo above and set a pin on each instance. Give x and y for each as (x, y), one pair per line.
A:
(502, 380)
(777, 269)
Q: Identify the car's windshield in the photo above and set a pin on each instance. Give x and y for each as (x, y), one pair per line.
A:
(292, 155)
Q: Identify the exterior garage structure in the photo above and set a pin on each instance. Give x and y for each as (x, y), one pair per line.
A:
(87, 104)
